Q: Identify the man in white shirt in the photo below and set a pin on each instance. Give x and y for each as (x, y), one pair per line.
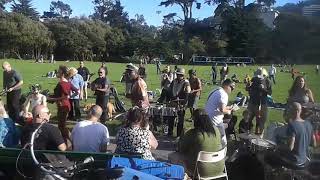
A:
(272, 73)
(216, 106)
(90, 135)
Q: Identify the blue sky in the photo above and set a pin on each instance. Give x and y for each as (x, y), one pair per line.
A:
(148, 8)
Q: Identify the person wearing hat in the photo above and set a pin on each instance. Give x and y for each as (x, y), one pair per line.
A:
(259, 89)
(77, 81)
(12, 82)
(126, 79)
(101, 88)
(180, 89)
(217, 106)
(196, 87)
(139, 95)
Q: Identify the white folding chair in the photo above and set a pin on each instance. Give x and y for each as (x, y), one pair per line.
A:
(211, 157)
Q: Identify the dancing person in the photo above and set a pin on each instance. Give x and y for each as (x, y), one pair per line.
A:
(224, 71)
(272, 73)
(135, 137)
(214, 73)
(300, 137)
(49, 137)
(101, 88)
(61, 97)
(299, 92)
(85, 73)
(8, 134)
(180, 89)
(259, 90)
(34, 99)
(217, 106)
(90, 135)
(75, 97)
(139, 95)
(196, 88)
(12, 83)
(203, 137)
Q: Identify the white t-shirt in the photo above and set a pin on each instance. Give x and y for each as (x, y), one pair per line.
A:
(218, 97)
(272, 71)
(88, 136)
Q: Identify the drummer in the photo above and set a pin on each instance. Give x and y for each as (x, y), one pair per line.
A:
(300, 136)
(180, 88)
(139, 95)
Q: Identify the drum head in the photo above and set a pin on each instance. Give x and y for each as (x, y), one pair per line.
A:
(261, 143)
(246, 136)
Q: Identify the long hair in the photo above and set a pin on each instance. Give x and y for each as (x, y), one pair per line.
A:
(64, 70)
(295, 86)
(137, 115)
(202, 122)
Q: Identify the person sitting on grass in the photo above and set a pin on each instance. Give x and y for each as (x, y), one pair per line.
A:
(203, 137)
(135, 137)
(8, 137)
(90, 135)
(49, 138)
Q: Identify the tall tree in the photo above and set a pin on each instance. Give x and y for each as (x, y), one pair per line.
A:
(187, 7)
(63, 9)
(111, 12)
(25, 7)
(3, 3)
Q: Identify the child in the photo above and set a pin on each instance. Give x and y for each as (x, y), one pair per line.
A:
(244, 125)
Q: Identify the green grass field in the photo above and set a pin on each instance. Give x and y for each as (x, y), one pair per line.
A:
(33, 73)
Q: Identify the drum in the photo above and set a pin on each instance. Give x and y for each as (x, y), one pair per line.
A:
(261, 145)
(155, 110)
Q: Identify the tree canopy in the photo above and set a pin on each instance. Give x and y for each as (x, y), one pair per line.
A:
(109, 34)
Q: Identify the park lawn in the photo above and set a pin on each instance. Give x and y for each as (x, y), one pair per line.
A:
(34, 73)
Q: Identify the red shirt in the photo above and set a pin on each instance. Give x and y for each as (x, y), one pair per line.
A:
(63, 89)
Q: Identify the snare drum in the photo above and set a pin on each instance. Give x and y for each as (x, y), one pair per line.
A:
(261, 145)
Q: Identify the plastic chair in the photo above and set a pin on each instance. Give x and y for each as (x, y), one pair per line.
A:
(211, 157)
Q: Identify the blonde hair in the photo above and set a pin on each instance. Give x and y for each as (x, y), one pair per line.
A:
(3, 112)
(5, 63)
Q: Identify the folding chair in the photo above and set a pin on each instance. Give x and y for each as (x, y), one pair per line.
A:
(211, 157)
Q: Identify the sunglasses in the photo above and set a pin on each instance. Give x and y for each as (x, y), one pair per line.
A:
(100, 72)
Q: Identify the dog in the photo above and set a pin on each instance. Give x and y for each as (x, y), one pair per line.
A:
(110, 110)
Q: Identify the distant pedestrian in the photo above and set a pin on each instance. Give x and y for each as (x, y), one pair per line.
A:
(158, 65)
(214, 73)
(85, 73)
(272, 73)
(317, 69)
(224, 71)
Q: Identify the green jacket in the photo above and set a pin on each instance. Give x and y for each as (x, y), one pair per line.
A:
(193, 142)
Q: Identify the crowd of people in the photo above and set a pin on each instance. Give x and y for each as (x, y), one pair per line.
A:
(135, 137)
